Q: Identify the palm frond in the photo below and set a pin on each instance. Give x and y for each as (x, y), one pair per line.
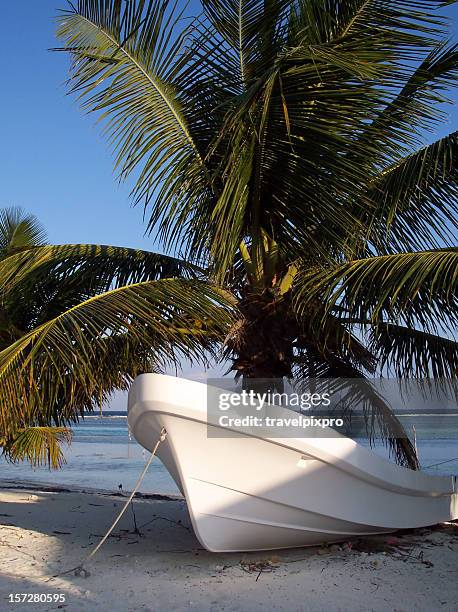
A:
(252, 28)
(343, 379)
(404, 287)
(55, 367)
(128, 59)
(37, 445)
(413, 353)
(56, 278)
(416, 198)
(400, 127)
(399, 27)
(19, 230)
(108, 265)
(331, 340)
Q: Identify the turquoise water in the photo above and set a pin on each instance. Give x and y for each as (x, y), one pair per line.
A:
(102, 455)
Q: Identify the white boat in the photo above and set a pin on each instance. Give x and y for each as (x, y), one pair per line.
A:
(247, 493)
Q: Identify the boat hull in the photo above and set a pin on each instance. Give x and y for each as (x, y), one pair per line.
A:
(246, 493)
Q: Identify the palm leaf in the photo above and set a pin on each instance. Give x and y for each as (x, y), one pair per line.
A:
(19, 230)
(413, 353)
(416, 198)
(128, 59)
(56, 278)
(37, 445)
(114, 265)
(343, 379)
(51, 368)
(400, 127)
(405, 287)
(396, 26)
(252, 29)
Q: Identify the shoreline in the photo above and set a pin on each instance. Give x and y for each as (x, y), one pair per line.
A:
(153, 561)
(24, 485)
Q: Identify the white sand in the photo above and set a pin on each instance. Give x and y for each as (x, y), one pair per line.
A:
(164, 568)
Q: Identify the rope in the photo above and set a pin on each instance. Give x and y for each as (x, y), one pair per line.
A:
(80, 570)
(441, 463)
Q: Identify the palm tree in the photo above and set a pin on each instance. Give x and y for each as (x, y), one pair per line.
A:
(284, 148)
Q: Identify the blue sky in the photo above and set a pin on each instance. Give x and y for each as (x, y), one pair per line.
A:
(54, 161)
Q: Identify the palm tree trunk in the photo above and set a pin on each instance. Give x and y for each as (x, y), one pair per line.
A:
(263, 343)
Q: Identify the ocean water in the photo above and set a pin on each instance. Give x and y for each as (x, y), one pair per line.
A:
(102, 455)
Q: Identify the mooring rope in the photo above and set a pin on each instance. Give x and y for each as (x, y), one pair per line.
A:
(80, 570)
(441, 463)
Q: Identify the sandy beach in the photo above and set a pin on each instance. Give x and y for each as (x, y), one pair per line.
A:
(161, 565)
